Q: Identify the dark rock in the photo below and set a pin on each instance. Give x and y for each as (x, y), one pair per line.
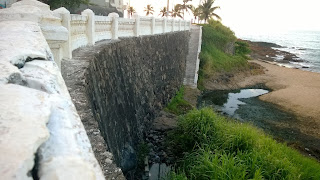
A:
(267, 44)
(230, 48)
(288, 58)
(129, 159)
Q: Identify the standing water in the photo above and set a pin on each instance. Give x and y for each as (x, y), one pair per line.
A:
(245, 105)
(234, 101)
(229, 102)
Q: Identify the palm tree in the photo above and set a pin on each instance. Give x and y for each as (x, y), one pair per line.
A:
(163, 11)
(184, 7)
(196, 13)
(176, 11)
(207, 11)
(148, 9)
(131, 11)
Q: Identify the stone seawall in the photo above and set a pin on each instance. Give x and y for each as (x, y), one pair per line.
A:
(128, 82)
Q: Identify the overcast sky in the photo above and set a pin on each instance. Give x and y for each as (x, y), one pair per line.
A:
(255, 15)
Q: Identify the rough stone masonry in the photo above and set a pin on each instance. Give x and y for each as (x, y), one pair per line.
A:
(128, 82)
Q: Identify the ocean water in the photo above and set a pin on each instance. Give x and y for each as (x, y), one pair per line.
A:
(304, 44)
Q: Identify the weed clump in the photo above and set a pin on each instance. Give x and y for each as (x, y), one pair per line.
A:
(178, 105)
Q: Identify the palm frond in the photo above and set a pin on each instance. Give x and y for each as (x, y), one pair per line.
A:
(217, 16)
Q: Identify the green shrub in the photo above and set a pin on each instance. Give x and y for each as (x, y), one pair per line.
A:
(212, 147)
(213, 59)
(242, 48)
(143, 151)
(178, 105)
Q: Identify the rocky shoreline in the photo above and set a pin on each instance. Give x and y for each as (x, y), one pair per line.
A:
(272, 52)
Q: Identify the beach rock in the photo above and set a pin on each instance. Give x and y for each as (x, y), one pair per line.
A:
(288, 57)
(23, 118)
(267, 44)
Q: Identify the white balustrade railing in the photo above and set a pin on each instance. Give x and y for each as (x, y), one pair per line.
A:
(87, 28)
(78, 30)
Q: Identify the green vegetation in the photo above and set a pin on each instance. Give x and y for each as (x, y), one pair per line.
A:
(215, 40)
(178, 105)
(163, 12)
(149, 10)
(242, 48)
(143, 151)
(185, 7)
(213, 147)
(196, 13)
(131, 10)
(207, 11)
(176, 11)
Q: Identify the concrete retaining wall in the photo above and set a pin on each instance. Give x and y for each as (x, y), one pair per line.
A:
(128, 82)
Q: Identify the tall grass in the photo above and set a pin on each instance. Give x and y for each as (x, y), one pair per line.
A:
(212, 147)
(215, 39)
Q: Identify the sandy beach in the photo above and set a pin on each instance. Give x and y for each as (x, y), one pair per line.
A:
(294, 90)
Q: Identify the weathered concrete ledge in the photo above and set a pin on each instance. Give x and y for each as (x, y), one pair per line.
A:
(37, 114)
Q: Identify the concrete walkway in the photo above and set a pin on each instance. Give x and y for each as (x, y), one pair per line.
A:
(192, 64)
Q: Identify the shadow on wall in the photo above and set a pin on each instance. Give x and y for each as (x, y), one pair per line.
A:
(131, 80)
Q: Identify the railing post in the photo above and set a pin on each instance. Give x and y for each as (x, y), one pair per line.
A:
(164, 25)
(90, 26)
(65, 16)
(115, 25)
(189, 23)
(179, 24)
(136, 24)
(185, 25)
(172, 27)
(153, 25)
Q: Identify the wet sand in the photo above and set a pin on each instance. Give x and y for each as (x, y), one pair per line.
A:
(294, 90)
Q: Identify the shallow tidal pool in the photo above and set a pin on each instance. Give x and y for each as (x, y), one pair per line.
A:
(245, 105)
(234, 99)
